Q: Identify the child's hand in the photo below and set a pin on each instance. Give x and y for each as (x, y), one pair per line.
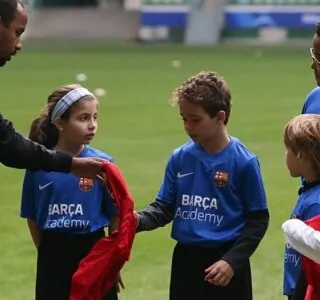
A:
(120, 284)
(219, 274)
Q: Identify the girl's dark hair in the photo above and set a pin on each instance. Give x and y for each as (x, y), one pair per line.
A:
(42, 130)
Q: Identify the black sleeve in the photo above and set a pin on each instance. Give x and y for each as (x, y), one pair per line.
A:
(253, 232)
(301, 287)
(20, 153)
(157, 214)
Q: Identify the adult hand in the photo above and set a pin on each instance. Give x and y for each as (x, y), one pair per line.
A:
(87, 167)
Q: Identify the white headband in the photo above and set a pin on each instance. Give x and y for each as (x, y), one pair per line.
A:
(67, 100)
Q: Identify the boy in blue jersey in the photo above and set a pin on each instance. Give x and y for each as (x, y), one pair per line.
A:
(312, 102)
(66, 215)
(301, 138)
(214, 194)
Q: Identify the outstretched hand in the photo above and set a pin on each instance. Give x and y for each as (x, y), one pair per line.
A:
(87, 167)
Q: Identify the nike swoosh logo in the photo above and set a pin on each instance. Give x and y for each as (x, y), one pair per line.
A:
(185, 174)
(41, 187)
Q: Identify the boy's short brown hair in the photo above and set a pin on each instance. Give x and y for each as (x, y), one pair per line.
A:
(208, 90)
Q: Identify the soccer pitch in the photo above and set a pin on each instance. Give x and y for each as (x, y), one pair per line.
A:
(139, 129)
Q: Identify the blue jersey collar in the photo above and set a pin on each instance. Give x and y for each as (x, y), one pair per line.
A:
(307, 186)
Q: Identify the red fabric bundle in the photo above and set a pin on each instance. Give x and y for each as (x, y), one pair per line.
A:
(99, 270)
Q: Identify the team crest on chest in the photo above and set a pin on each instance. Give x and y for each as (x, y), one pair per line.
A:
(221, 178)
(85, 184)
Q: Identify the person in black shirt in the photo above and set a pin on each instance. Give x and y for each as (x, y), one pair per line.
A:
(15, 150)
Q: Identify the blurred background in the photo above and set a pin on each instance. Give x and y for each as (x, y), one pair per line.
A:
(132, 54)
(188, 22)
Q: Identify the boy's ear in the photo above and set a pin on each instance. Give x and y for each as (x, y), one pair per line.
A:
(299, 155)
(221, 116)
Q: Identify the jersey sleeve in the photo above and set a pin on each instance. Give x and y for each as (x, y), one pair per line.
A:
(311, 103)
(305, 104)
(21, 153)
(302, 238)
(310, 210)
(28, 208)
(251, 187)
(168, 189)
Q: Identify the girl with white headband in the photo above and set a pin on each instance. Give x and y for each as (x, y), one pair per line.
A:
(66, 215)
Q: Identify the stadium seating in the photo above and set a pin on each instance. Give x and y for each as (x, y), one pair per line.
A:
(275, 2)
(240, 2)
(172, 2)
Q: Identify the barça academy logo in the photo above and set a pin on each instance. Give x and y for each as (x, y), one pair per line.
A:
(221, 179)
(85, 184)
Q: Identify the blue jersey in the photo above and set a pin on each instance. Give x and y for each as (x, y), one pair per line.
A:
(212, 193)
(64, 202)
(312, 102)
(308, 206)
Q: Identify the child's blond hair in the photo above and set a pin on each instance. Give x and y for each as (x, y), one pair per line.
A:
(302, 137)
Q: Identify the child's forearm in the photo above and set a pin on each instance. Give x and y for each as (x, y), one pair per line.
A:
(157, 214)
(251, 236)
(35, 232)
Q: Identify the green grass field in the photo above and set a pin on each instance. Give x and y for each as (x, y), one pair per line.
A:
(139, 129)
